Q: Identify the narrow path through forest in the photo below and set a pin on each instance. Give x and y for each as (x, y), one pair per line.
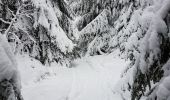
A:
(91, 78)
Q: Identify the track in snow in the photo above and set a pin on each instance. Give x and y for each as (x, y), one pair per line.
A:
(91, 78)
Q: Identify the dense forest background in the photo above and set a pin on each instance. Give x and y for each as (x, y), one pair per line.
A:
(64, 30)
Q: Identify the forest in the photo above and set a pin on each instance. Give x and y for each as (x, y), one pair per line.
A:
(84, 49)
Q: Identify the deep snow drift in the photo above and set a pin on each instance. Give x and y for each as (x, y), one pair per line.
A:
(90, 78)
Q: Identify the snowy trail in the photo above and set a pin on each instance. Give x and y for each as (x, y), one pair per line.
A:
(91, 78)
(89, 84)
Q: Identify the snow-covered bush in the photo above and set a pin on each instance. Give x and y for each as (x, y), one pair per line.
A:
(8, 71)
(143, 38)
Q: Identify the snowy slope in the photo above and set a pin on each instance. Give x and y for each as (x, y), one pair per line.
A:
(8, 65)
(90, 78)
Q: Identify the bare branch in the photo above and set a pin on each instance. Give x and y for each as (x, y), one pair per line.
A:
(8, 29)
(31, 37)
(27, 15)
(13, 20)
(24, 5)
(11, 12)
(18, 13)
(2, 30)
(6, 22)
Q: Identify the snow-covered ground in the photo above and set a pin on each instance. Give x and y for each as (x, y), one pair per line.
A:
(90, 78)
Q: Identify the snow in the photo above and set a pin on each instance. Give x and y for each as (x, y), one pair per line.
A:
(8, 65)
(42, 19)
(137, 33)
(164, 90)
(48, 17)
(144, 42)
(63, 42)
(99, 23)
(90, 78)
(154, 26)
(1, 2)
